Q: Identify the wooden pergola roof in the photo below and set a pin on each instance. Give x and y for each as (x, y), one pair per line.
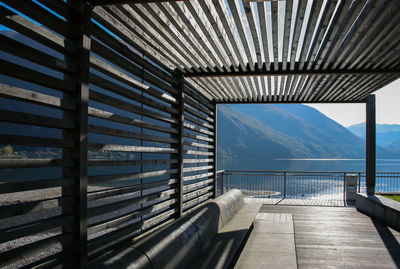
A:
(268, 51)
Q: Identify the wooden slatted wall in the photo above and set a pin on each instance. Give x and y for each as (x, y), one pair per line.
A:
(107, 146)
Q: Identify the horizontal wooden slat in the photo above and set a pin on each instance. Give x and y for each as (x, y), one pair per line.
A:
(31, 54)
(36, 32)
(197, 145)
(193, 202)
(111, 101)
(199, 137)
(127, 134)
(91, 196)
(30, 75)
(195, 105)
(36, 141)
(197, 121)
(33, 163)
(101, 114)
(198, 114)
(188, 178)
(202, 153)
(122, 48)
(29, 250)
(197, 168)
(196, 129)
(196, 193)
(25, 118)
(123, 204)
(34, 97)
(193, 186)
(108, 162)
(34, 227)
(198, 160)
(108, 178)
(34, 206)
(109, 147)
(19, 186)
(118, 89)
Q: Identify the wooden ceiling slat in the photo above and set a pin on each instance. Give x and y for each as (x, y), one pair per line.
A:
(373, 41)
(301, 8)
(220, 32)
(365, 23)
(235, 10)
(315, 10)
(252, 24)
(223, 47)
(345, 25)
(275, 40)
(166, 38)
(264, 33)
(286, 33)
(207, 30)
(323, 27)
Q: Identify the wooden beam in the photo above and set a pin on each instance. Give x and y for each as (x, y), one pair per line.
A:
(181, 149)
(120, 2)
(370, 144)
(80, 36)
(215, 150)
(295, 72)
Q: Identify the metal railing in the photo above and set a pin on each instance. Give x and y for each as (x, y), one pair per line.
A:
(300, 184)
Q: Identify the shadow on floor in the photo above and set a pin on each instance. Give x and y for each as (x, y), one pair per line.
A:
(389, 240)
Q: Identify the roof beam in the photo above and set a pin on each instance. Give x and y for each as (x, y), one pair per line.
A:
(118, 2)
(295, 72)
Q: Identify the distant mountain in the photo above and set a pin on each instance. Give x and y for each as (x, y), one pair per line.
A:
(285, 131)
(386, 134)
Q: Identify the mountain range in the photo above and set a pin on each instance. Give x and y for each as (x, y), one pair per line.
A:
(387, 135)
(286, 131)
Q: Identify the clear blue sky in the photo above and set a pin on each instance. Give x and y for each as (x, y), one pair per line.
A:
(387, 108)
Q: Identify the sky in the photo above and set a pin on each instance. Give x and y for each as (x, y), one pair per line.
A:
(387, 108)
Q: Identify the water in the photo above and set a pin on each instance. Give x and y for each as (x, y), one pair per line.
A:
(301, 184)
(333, 165)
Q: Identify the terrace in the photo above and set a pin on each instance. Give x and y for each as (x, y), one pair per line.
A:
(110, 109)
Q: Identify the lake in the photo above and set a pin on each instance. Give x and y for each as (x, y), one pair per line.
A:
(334, 165)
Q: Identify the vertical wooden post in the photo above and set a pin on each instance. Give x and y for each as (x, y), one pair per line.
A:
(181, 150)
(370, 144)
(215, 148)
(79, 35)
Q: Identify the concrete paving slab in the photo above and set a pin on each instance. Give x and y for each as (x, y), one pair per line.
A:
(271, 243)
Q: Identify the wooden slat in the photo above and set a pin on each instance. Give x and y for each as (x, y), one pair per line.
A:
(199, 122)
(114, 206)
(204, 175)
(128, 134)
(198, 160)
(196, 129)
(193, 202)
(199, 137)
(121, 177)
(34, 185)
(25, 118)
(33, 163)
(190, 187)
(26, 74)
(111, 101)
(34, 227)
(196, 168)
(34, 206)
(101, 114)
(201, 153)
(20, 94)
(110, 162)
(191, 195)
(198, 145)
(126, 148)
(36, 141)
(96, 195)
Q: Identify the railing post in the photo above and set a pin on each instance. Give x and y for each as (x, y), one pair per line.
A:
(284, 185)
(80, 36)
(344, 186)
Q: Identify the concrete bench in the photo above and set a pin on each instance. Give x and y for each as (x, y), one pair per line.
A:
(380, 207)
(209, 237)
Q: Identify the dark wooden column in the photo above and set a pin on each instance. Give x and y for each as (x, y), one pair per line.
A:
(80, 36)
(181, 152)
(215, 148)
(370, 144)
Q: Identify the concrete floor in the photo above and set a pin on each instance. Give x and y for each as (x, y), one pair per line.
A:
(321, 237)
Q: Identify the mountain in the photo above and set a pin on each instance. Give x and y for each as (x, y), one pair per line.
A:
(386, 134)
(285, 131)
